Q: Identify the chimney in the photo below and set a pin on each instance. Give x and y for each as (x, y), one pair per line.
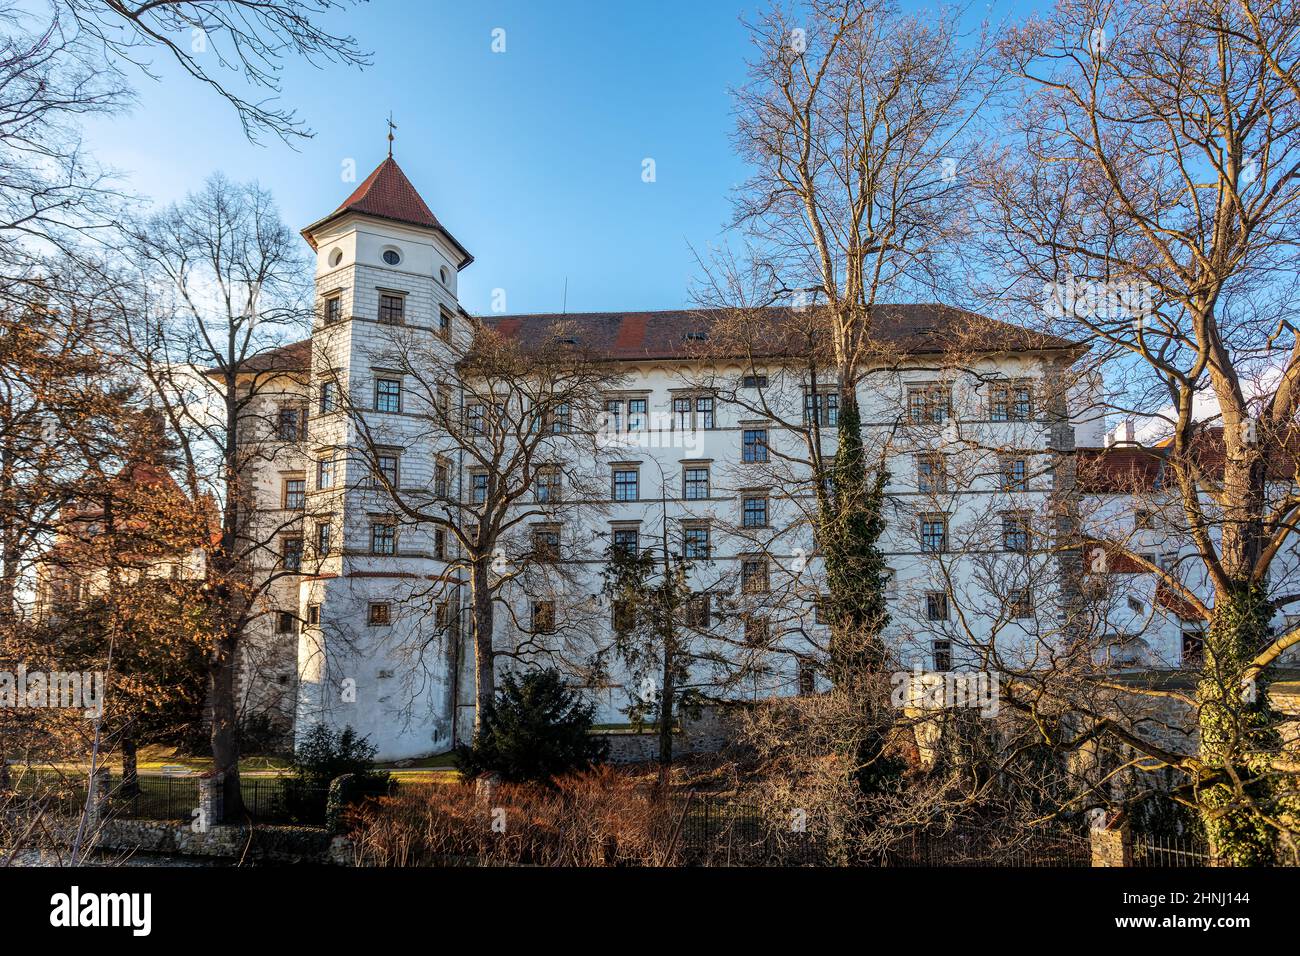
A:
(1122, 435)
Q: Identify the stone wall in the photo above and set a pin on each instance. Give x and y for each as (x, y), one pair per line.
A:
(277, 844)
(708, 733)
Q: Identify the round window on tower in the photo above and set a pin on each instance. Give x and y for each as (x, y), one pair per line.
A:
(392, 256)
(336, 256)
(443, 274)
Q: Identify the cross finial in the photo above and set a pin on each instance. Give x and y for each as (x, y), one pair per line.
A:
(391, 126)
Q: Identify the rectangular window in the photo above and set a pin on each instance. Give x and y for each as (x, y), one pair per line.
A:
(695, 482)
(934, 533)
(546, 544)
(383, 538)
(441, 478)
(323, 533)
(325, 473)
(543, 617)
(444, 323)
(704, 412)
(936, 606)
(1015, 533)
(625, 484)
(561, 419)
(378, 615)
(754, 511)
(385, 470)
(821, 407)
(623, 616)
(291, 554)
(1014, 475)
(929, 405)
(333, 309)
(626, 541)
(1010, 403)
(754, 576)
(313, 615)
(444, 616)
(474, 418)
(295, 493)
(1193, 648)
(291, 424)
(614, 415)
(284, 622)
(699, 610)
(547, 487)
(754, 444)
(478, 488)
(931, 474)
(637, 414)
(388, 395)
(392, 308)
(756, 630)
(1019, 604)
(440, 544)
(329, 397)
(941, 651)
(695, 543)
(682, 414)
(753, 381)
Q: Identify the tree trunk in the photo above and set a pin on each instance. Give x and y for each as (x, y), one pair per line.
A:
(668, 692)
(484, 655)
(224, 732)
(130, 774)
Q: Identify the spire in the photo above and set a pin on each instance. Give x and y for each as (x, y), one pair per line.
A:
(391, 126)
(387, 194)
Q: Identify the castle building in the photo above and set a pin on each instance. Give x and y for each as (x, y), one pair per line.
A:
(976, 419)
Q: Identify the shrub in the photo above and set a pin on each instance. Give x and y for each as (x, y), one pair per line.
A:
(321, 756)
(534, 729)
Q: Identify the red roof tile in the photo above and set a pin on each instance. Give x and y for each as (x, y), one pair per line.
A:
(388, 194)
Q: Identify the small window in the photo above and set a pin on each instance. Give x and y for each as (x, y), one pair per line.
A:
(313, 615)
(625, 484)
(1193, 648)
(695, 543)
(936, 606)
(329, 397)
(560, 419)
(756, 630)
(325, 473)
(754, 381)
(386, 470)
(546, 544)
(929, 405)
(478, 488)
(388, 395)
(1010, 403)
(614, 415)
(941, 651)
(1015, 533)
(704, 412)
(638, 414)
(931, 474)
(546, 490)
(291, 554)
(1020, 604)
(822, 407)
(695, 482)
(1015, 474)
(440, 544)
(284, 622)
(336, 256)
(934, 534)
(754, 577)
(295, 494)
(444, 323)
(383, 538)
(392, 308)
(291, 424)
(754, 445)
(333, 309)
(441, 478)
(392, 257)
(379, 614)
(626, 541)
(682, 414)
(442, 274)
(323, 536)
(699, 610)
(543, 617)
(754, 511)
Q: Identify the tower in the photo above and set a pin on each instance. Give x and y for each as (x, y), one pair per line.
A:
(369, 655)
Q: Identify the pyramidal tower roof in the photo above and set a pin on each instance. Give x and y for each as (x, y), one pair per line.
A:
(387, 194)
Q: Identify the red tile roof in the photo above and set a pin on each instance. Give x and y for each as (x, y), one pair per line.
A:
(1127, 469)
(912, 328)
(388, 194)
(294, 357)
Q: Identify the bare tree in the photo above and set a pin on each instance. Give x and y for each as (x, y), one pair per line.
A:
(1147, 200)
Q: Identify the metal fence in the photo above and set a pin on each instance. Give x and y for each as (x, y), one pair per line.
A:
(979, 848)
(1170, 852)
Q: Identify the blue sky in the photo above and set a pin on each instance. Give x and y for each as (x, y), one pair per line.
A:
(531, 157)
